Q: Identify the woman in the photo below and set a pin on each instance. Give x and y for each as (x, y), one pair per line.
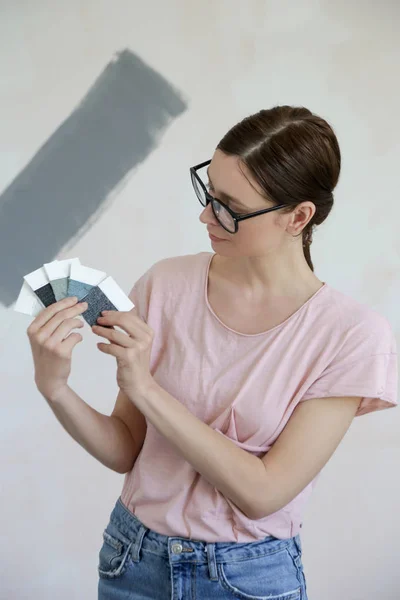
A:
(239, 373)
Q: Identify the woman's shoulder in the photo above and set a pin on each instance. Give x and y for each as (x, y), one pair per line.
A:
(173, 271)
(355, 317)
(166, 280)
(179, 264)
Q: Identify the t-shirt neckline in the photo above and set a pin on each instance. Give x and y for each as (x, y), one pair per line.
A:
(249, 335)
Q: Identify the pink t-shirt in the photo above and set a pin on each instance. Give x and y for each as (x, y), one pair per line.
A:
(245, 387)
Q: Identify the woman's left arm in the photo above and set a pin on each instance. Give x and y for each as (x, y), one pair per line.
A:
(257, 486)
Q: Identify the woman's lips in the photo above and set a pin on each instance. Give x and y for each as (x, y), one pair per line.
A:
(215, 239)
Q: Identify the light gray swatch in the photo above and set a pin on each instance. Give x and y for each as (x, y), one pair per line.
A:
(60, 288)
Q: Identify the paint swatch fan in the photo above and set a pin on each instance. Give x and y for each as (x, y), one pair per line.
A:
(65, 278)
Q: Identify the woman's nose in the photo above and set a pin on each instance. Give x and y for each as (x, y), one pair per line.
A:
(207, 215)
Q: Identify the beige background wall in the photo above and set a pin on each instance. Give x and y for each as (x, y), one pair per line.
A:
(225, 59)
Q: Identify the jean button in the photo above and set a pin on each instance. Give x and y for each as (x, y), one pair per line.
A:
(177, 548)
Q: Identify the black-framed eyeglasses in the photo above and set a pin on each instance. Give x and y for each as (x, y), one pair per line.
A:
(225, 216)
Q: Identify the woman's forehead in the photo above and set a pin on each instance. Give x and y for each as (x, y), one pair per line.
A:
(229, 174)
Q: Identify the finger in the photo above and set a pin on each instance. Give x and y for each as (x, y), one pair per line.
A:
(64, 329)
(112, 349)
(135, 313)
(48, 313)
(117, 337)
(125, 320)
(70, 342)
(47, 330)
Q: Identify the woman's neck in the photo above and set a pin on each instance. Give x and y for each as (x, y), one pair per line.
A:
(268, 277)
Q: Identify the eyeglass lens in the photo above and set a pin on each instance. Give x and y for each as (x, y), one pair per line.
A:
(222, 215)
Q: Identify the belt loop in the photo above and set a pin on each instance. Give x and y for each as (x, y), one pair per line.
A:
(212, 563)
(298, 544)
(137, 545)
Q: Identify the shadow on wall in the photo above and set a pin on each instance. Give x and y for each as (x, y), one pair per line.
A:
(115, 127)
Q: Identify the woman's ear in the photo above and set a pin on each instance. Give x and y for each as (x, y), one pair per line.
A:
(300, 217)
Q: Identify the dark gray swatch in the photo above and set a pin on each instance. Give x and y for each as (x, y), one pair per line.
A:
(46, 295)
(65, 185)
(97, 302)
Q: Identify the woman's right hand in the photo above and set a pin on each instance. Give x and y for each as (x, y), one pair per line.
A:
(52, 344)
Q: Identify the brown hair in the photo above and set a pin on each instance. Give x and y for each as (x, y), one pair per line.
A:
(293, 155)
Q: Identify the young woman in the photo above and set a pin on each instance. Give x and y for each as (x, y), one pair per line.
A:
(239, 372)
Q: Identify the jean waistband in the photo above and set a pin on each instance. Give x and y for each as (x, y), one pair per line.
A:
(181, 549)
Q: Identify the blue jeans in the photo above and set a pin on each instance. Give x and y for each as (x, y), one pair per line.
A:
(136, 563)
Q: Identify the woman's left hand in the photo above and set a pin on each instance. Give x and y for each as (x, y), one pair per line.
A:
(131, 349)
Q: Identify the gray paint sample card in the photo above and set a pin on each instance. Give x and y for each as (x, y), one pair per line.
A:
(103, 292)
(106, 296)
(58, 273)
(39, 282)
(83, 279)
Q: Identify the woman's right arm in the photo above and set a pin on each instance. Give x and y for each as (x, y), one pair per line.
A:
(107, 438)
(114, 440)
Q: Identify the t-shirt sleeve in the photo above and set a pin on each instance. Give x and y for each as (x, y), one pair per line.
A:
(366, 366)
(140, 294)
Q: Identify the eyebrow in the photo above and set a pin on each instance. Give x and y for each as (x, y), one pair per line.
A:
(227, 196)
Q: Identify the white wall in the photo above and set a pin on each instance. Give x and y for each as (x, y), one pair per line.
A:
(228, 58)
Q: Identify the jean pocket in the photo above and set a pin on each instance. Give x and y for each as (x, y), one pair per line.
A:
(114, 553)
(272, 576)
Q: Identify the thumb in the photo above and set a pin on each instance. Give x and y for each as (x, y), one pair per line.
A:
(71, 341)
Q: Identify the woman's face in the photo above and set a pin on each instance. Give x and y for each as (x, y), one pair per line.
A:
(230, 182)
(257, 236)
